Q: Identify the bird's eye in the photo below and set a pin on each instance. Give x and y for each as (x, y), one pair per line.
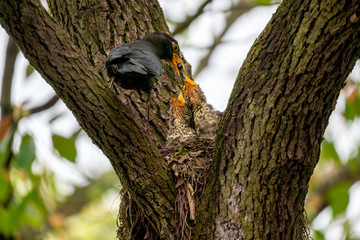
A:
(175, 47)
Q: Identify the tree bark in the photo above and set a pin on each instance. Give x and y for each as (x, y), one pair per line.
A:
(268, 140)
(75, 69)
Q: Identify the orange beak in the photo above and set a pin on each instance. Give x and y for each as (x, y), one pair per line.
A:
(189, 81)
(181, 99)
(177, 105)
(190, 85)
(175, 61)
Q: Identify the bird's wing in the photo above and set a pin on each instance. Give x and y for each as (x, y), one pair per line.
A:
(148, 59)
(118, 54)
(135, 58)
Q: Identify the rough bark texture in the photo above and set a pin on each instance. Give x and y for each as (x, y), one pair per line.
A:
(269, 137)
(69, 52)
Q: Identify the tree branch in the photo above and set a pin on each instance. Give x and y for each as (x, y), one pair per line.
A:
(269, 137)
(180, 27)
(76, 72)
(241, 8)
(51, 102)
(7, 124)
(270, 132)
(11, 53)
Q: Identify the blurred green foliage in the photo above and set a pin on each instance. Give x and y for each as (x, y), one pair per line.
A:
(352, 109)
(334, 176)
(26, 155)
(338, 198)
(328, 151)
(31, 204)
(65, 146)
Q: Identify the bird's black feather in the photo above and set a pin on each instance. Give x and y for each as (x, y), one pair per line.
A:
(138, 55)
(134, 65)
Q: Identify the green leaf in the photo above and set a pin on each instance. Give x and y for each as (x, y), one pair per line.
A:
(318, 235)
(4, 188)
(29, 211)
(328, 151)
(29, 70)
(263, 2)
(350, 110)
(5, 223)
(338, 197)
(26, 154)
(34, 210)
(15, 215)
(354, 163)
(3, 153)
(65, 146)
(10, 218)
(352, 104)
(5, 147)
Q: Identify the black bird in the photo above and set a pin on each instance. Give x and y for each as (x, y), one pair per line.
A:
(134, 65)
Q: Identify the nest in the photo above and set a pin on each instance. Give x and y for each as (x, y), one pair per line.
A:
(189, 165)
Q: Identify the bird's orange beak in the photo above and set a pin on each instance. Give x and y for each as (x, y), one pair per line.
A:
(176, 60)
(190, 85)
(189, 81)
(177, 104)
(181, 99)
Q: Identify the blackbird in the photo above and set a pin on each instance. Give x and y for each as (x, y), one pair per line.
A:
(134, 65)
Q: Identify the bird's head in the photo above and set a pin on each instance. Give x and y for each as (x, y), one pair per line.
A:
(166, 47)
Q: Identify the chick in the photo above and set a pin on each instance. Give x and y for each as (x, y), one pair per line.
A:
(205, 118)
(181, 132)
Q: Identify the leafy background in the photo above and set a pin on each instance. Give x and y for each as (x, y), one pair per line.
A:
(55, 184)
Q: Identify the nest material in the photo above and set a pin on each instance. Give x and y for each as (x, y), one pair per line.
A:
(188, 153)
(131, 221)
(189, 165)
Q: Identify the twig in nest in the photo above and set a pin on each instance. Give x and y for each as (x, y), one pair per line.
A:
(189, 195)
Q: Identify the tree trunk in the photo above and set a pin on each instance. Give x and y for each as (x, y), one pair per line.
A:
(268, 140)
